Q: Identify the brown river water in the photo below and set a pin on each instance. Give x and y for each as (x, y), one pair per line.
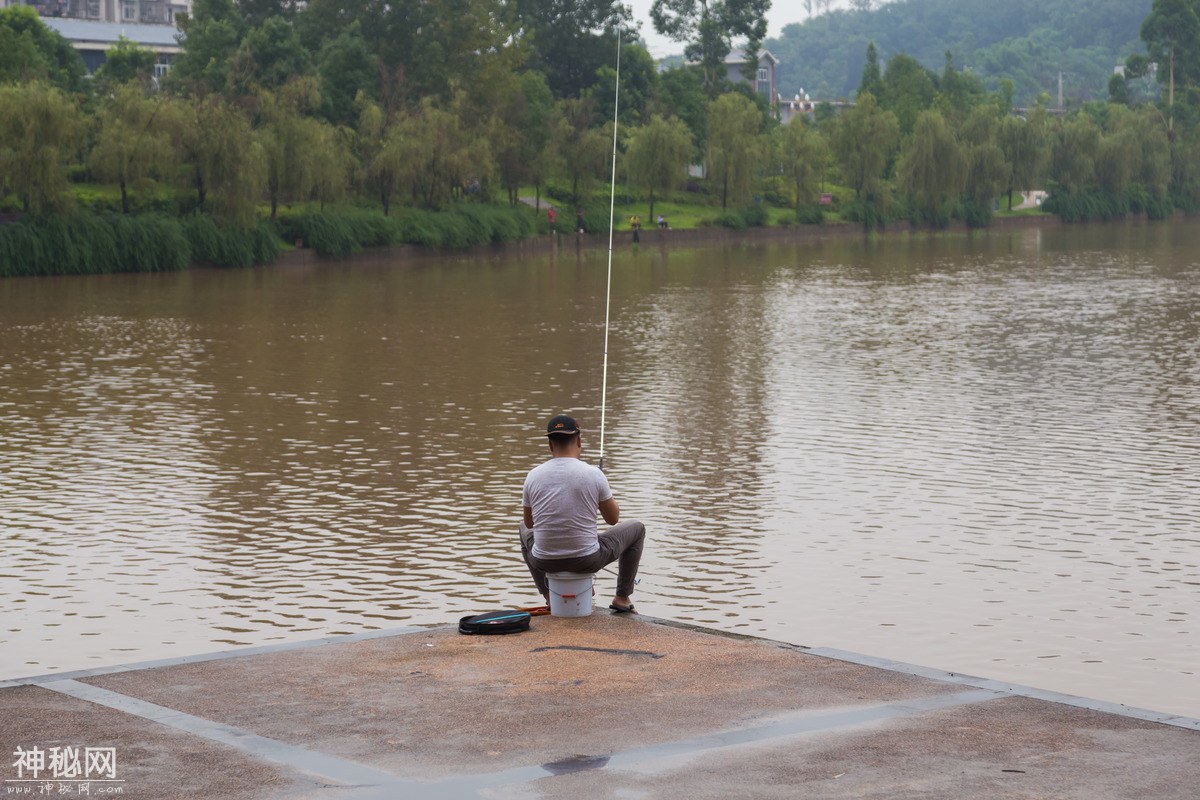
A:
(976, 453)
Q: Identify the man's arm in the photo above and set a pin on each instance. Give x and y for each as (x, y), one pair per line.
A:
(609, 510)
(528, 517)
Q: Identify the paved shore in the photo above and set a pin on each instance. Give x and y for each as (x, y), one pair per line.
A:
(601, 707)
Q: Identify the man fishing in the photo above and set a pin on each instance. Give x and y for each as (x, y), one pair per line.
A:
(558, 532)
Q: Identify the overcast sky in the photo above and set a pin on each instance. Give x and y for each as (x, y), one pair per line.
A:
(783, 12)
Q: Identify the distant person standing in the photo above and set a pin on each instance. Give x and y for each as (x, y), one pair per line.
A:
(635, 222)
(552, 217)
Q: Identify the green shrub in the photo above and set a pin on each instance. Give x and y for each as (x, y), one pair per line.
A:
(755, 215)
(1085, 205)
(1160, 208)
(340, 233)
(810, 215)
(976, 215)
(867, 211)
(779, 191)
(731, 219)
(1185, 199)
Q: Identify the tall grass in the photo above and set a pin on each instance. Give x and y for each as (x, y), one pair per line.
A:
(87, 243)
(1092, 204)
(84, 244)
(209, 243)
(340, 233)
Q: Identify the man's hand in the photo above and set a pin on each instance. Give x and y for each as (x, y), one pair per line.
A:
(528, 515)
(610, 511)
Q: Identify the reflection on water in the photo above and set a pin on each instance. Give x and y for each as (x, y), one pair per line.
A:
(975, 453)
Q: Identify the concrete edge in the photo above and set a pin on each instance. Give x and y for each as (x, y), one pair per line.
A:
(916, 670)
(1003, 687)
(217, 655)
(1016, 689)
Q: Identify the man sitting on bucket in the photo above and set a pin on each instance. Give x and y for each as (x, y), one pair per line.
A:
(558, 534)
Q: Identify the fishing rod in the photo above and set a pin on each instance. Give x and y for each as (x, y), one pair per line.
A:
(612, 202)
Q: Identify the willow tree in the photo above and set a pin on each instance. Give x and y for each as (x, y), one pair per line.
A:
(933, 170)
(1134, 151)
(658, 155)
(737, 146)
(1023, 143)
(583, 150)
(221, 161)
(521, 133)
(431, 152)
(863, 141)
(132, 141)
(330, 178)
(293, 143)
(1073, 153)
(1154, 171)
(1117, 160)
(987, 170)
(381, 159)
(40, 134)
(804, 155)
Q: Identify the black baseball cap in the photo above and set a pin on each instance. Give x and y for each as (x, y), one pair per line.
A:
(562, 424)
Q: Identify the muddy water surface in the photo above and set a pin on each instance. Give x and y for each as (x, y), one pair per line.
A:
(974, 453)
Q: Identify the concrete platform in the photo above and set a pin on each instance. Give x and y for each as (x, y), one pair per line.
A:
(601, 707)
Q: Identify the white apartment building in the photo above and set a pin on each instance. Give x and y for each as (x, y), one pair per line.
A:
(151, 12)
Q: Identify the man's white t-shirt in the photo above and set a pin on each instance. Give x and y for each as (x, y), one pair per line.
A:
(565, 494)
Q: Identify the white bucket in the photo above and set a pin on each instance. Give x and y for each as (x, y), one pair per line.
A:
(570, 593)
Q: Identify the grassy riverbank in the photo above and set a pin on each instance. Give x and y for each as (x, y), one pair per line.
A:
(85, 242)
(161, 233)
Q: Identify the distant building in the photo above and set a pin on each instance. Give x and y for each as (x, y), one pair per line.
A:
(94, 39)
(764, 76)
(152, 12)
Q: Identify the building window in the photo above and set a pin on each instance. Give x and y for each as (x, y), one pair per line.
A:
(129, 11)
(762, 75)
(93, 9)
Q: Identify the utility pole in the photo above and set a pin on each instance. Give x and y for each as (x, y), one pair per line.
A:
(1171, 100)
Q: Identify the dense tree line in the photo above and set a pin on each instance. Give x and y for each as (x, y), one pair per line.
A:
(1028, 42)
(438, 104)
(422, 103)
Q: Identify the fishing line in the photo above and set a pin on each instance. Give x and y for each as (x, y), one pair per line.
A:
(612, 202)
